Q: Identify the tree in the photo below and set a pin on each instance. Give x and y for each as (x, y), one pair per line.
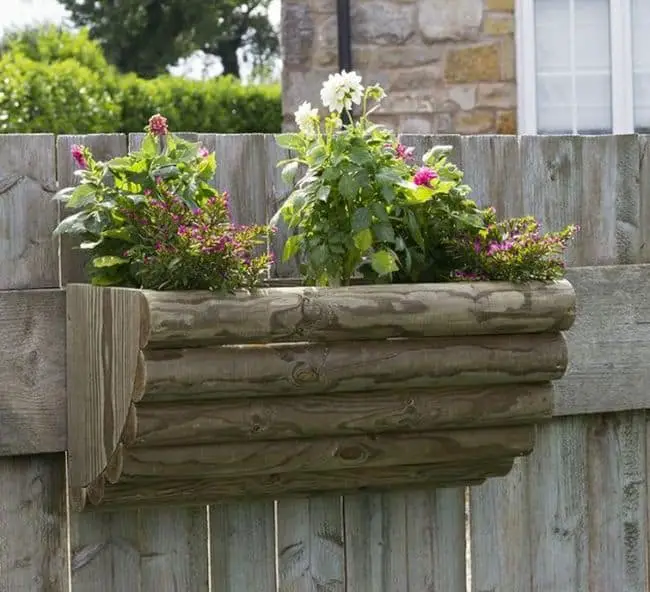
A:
(146, 36)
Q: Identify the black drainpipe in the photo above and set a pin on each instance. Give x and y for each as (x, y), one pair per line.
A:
(345, 36)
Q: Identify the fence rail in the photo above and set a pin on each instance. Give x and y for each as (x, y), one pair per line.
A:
(572, 517)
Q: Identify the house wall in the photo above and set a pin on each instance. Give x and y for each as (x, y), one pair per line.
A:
(448, 65)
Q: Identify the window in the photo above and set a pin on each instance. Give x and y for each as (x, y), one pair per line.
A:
(583, 66)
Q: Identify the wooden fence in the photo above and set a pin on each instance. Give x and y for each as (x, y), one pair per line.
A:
(573, 517)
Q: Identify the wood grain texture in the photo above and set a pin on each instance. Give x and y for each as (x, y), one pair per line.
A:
(190, 374)
(365, 312)
(235, 459)
(104, 147)
(310, 544)
(394, 541)
(103, 343)
(242, 534)
(29, 256)
(32, 372)
(157, 550)
(345, 414)
(610, 344)
(33, 543)
(243, 546)
(161, 491)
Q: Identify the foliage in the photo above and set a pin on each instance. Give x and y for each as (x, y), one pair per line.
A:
(151, 219)
(58, 81)
(50, 44)
(363, 209)
(61, 97)
(146, 37)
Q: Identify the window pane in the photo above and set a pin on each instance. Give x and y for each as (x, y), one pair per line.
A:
(641, 63)
(573, 63)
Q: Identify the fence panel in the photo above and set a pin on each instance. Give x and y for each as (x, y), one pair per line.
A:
(33, 541)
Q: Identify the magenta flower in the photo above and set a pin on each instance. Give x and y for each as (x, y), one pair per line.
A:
(158, 125)
(77, 153)
(404, 152)
(203, 152)
(424, 176)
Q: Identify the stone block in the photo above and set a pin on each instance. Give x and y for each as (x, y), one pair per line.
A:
(477, 121)
(383, 23)
(506, 122)
(499, 24)
(502, 95)
(388, 57)
(477, 63)
(500, 5)
(463, 95)
(297, 46)
(442, 20)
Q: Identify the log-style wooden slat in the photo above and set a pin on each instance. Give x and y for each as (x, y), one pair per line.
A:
(359, 312)
(343, 414)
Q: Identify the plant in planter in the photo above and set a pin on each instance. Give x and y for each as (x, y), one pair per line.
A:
(190, 392)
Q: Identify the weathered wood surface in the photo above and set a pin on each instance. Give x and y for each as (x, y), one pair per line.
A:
(365, 366)
(29, 256)
(361, 312)
(584, 488)
(163, 491)
(327, 454)
(103, 358)
(345, 414)
(33, 525)
(32, 372)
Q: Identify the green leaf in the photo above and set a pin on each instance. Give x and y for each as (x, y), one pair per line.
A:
(348, 186)
(82, 196)
(290, 141)
(289, 172)
(361, 219)
(384, 262)
(360, 156)
(292, 246)
(363, 240)
(165, 172)
(90, 244)
(63, 194)
(109, 261)
(149, 146)
(379, 211)
(208, 166)
(414, 227)
(318, 256)
(73, 224)
(420, 195)
(384, 232)
(120, 163)
(323, 192)
(117, 233)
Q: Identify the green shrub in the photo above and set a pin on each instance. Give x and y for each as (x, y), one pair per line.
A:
(63, 97)
(221, 105)
(55, 80)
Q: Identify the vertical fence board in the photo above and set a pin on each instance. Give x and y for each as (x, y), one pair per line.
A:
(644, 199)
(500, 548)
(310, 544)
(27, 183)
(161, 550)
(617, 498)
(33, 528)
(242, 547)
(492, 169)
(576, 479)
(104, 147)
(407, 542)
(242, 535)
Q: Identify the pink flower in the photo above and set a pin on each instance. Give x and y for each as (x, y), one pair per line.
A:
(404, 152)
(158, 125)
(203, 152)
(424, 176)
(77, 153)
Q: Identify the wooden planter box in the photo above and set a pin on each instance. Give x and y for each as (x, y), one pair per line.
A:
(192, 398)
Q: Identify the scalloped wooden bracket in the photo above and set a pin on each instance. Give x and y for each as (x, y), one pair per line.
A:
(191, 398)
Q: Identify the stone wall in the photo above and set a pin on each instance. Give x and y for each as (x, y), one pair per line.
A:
(448, 65)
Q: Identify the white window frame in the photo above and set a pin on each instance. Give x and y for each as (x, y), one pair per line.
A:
(620, 17)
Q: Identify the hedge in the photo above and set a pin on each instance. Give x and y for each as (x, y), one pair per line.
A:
(70, 91)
